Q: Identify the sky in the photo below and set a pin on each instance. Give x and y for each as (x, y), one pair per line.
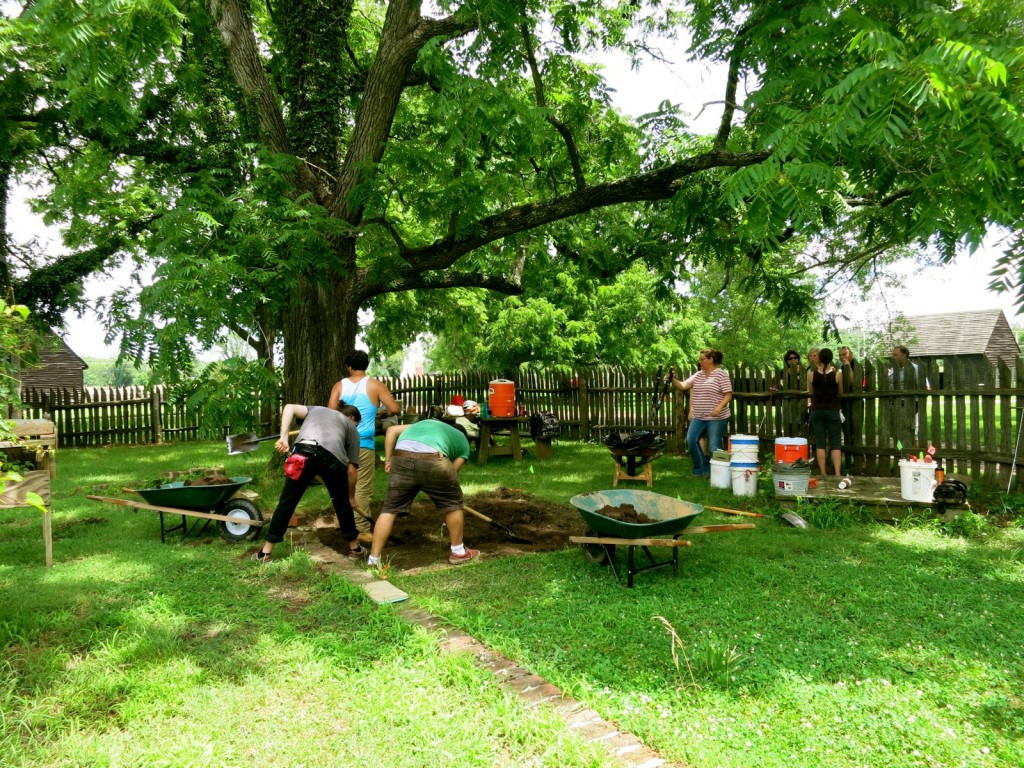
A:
(960, 286)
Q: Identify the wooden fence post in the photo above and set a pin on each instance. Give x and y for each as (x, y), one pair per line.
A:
(584, 407)
(154, 411)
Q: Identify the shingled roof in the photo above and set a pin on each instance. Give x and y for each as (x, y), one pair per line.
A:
(980, 332)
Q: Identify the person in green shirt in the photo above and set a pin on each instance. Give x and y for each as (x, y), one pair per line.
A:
(425, 456)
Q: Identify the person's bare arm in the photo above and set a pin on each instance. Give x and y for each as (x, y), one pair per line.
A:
(353, 478)
(383, 394)
(457, 464)
(291, 411)
(390, 439)
(682, 383)
(335, 398)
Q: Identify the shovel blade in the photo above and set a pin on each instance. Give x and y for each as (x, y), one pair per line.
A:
(243, 443)
(794, 519)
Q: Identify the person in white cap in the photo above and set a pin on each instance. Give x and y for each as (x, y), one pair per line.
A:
(466, 413)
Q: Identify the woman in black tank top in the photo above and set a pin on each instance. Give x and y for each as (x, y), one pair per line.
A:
(825, 386)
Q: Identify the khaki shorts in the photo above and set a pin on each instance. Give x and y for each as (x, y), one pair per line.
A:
(431, 473)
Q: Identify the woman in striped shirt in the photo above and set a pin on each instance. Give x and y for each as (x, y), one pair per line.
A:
(709, 404)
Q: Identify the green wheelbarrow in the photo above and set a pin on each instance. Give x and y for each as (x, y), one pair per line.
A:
(665, 521)
(239, 519)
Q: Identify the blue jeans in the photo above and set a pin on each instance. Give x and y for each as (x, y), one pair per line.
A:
(716, 433)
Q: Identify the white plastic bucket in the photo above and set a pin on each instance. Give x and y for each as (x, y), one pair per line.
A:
(744, 478)
(720, 474)
(790, 481)
(917, 480)
(744, 449)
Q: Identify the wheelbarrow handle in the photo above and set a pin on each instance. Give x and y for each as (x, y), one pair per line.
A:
(629, 542)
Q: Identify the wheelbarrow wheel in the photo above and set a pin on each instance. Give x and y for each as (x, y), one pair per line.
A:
(598, 553)
(245, 512)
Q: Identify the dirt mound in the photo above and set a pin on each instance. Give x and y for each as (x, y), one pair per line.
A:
(421, 539)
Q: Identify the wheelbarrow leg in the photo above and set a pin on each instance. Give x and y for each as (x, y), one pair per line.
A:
(164, 530)
(611, 563)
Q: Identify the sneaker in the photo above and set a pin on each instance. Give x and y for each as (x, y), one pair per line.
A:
(262, 557)
(460, 559)
(356, 554)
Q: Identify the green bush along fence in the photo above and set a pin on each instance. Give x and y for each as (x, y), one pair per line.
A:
(971, 415)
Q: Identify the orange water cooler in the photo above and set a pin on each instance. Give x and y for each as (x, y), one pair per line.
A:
(789, 449)
(501, 398)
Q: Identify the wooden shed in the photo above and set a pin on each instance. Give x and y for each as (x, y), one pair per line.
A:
(975, 337)
(58, 367)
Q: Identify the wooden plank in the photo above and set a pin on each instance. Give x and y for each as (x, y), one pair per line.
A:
(35, 429)
(36, 481)
(171, 510)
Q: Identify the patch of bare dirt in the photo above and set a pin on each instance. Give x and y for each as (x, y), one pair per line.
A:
(421, 539)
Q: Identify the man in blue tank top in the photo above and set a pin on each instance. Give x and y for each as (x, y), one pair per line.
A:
(368, 395)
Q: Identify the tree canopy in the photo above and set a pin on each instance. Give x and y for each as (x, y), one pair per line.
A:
(289, 164)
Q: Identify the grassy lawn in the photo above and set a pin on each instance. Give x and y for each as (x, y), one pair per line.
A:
(133, 653)
(860, 644)
(851, 644)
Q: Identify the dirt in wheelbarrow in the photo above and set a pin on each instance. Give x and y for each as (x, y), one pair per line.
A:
(626, 513)
(421, 539)
(211, 480)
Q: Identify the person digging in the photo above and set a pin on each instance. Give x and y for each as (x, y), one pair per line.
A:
(425, 456)
(327, 445)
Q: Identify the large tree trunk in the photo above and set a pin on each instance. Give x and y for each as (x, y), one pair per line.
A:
(319, 332)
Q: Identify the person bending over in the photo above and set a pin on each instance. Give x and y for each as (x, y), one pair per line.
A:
(327, 445)
(425, 456)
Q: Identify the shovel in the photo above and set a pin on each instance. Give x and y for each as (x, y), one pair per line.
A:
(659, 397)
(503, 528)
(247, 442)
(790, 517)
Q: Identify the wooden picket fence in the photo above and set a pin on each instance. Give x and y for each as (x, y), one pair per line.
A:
(970, 415)
(111, 415)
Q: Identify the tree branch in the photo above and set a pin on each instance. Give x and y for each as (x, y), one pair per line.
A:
(885, 202)
(658, 184)
(562, 128)
(409, 278)
(404, 33)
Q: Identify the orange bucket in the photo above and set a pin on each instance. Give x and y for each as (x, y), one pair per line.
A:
(501, 398)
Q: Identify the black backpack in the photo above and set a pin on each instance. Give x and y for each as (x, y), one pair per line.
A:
(544, 425)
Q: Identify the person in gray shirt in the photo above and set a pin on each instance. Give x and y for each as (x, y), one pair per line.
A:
(327, 445)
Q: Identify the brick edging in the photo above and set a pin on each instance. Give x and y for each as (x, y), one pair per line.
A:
(531, 689)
